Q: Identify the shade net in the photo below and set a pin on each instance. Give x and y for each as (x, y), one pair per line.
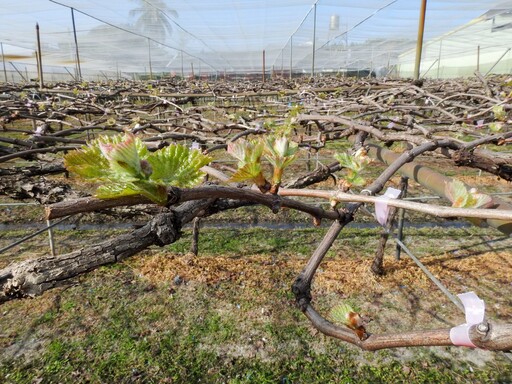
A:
(94, 39)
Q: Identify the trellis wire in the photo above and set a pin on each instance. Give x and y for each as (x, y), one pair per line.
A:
(440, 285)
(34, 235)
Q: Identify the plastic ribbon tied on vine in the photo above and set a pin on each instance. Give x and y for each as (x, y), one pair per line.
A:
(474, 308)
(382, 208)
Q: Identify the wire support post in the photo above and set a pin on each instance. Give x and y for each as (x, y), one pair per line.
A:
(39, 58)
(314, 41)
(50, 236)
(78, 67)
(401, 217)
(419, 41)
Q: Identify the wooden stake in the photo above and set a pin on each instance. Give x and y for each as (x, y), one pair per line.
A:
(419, 42)
(76, 46)
(263, 79)
(39, 58)
(3, 61)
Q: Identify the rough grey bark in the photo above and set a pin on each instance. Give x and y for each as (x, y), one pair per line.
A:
(32, 277)
(495, 163)
(41, 189)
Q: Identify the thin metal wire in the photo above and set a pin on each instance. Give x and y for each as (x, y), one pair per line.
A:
(16, 204)
(32, 235)
(440, 285)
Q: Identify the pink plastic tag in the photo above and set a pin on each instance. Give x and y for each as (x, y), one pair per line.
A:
(475, 312)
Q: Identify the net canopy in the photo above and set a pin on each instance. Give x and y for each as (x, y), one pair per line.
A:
(134, 38)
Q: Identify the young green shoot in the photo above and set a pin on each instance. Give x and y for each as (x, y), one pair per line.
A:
(125, 167)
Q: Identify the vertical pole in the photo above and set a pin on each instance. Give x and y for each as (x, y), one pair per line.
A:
(401, 212)
(3, 61)
(439, 58)
(182, 69)
(419, 42)
(37, 64)
(50, 237)
(314, 42)
(282, 64)
(150, 68)
(192, 67)
(194, 248)
(263, 66)
(478, 59)
(76, 46)
(291, 56)
(39, 59)
(371, 63)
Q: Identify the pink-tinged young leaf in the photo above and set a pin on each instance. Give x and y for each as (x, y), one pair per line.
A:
(461, 197)
(457, 193)
(246, 151)
(237, 149)
(123, 157)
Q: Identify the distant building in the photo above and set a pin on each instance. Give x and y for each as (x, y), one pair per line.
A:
(484, 43)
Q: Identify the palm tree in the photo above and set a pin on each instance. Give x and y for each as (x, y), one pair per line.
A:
(153, 18)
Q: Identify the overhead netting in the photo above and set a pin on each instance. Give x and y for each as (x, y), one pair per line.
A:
(94, 39)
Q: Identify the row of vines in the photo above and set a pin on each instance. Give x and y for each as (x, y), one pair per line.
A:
(189, 150)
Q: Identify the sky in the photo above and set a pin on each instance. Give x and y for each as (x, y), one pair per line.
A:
(221, 34)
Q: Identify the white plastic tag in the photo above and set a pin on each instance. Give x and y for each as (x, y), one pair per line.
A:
(475, 313)
(381, 207)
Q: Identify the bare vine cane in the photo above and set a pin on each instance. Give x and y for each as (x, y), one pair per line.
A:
(302, 285)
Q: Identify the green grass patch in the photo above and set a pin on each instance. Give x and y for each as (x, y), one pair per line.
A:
(119, 326)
